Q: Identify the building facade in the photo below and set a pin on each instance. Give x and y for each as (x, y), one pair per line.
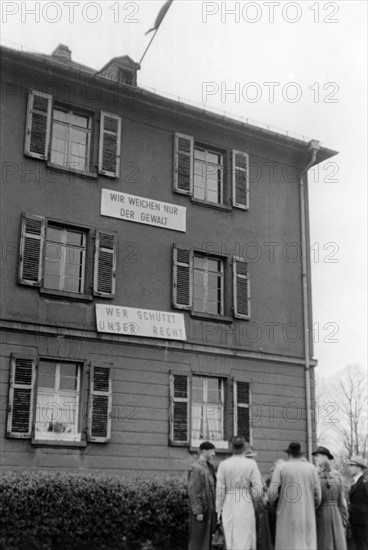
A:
(155, 275)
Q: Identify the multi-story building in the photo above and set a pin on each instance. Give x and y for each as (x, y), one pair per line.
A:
(155, 275)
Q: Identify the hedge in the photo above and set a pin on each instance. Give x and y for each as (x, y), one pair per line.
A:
(62, 511)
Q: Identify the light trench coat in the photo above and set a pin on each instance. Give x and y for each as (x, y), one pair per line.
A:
(238, 482)
(296, 488)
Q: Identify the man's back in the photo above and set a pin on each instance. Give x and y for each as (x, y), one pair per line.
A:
(296, 488)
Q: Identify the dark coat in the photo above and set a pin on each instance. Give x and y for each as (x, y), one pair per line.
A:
(202, 495)
(358, 514)
(358, 496)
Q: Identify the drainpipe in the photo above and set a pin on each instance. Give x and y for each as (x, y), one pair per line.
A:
(313, 147)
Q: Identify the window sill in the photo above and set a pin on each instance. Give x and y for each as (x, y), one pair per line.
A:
(57, 443)
(211, 317)
(60, 294)
(89, 175)
(222, 207)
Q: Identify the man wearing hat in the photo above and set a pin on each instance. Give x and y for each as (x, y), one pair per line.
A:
(296, 488)
(202, 496)
(239, 482)
(323, 451)
(358, 507)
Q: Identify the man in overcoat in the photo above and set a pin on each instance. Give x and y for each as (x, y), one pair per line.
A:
(239, 483)
(202, 496)
(358, 507)
(296, 488)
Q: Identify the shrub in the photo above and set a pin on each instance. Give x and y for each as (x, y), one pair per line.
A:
(62, 511)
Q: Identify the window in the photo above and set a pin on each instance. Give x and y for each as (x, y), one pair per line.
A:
(57, 410)
(199, 282)
(200, 172)
(70, 141)
(54, 257)
(45, 401)
(208, 174)
(208, 285)
(208, 408)
(64, 259)
(62, 135)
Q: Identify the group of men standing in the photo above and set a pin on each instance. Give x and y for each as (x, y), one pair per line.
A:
(235, 495)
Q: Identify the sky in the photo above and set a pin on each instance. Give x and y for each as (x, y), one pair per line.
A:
(297, 66)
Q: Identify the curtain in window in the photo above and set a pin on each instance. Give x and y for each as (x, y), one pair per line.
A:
(214, 421)
(196, 421)
(56, 413)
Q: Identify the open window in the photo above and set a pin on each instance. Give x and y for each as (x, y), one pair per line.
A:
(51, 401)
(200, 280)
(210, 174)
(64, 136)
(208, 408)
(54, 257)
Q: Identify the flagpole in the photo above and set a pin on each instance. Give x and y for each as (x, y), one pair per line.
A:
(149, 43)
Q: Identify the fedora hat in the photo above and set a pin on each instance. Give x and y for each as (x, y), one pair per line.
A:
(248, 451)
(357, 461)
(323, 451)
(293, 449)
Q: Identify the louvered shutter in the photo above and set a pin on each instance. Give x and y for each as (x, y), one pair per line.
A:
(31, 250)
(22, 381)
(242, 421)
(241, 289)
(179, 409)
(105, 264)
(182, 278)
(183, 164)
(109, 150)
(100, 404)
(240, 173)
(38, 125)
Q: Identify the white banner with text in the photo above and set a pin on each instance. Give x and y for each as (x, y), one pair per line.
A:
(140, 322)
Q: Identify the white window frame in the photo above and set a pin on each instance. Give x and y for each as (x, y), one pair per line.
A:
(63, 246)
(60, 436)
(207, 150)
(71, 112)
(220, 444)
(222, 278)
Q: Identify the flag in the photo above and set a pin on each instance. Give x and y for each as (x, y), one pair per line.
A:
(161, 14)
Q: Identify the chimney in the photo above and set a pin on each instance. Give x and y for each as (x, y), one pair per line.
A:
(62, 54)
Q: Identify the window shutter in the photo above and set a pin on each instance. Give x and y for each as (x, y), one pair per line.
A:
(100, 404)
(241, 289)
(240, 180)
(109, 150)
(38, 125)
(105, 264)
(22, 381)
(179, 409)
(182, 278)
(183, 164)
(31, 250)
(242, 410)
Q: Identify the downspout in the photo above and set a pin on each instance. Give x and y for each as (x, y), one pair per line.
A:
(312, 148)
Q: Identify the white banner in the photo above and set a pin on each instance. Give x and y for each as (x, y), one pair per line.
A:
(140, 322)
(141, 210)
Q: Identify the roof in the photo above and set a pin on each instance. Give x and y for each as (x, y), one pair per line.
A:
(162, 99)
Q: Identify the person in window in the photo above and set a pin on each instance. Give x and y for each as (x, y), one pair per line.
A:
(332, 515)
(239, 483)
(296, 486)
(358, 507)
(202, 492)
